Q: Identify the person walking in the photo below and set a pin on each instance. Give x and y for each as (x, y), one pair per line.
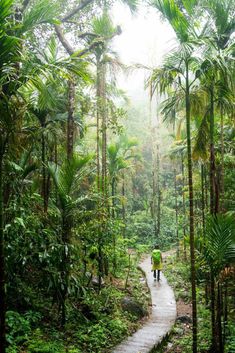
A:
(156, 260)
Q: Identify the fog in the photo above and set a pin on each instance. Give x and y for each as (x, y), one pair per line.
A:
(144, 40)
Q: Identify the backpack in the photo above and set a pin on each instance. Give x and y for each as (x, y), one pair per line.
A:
(156, 256)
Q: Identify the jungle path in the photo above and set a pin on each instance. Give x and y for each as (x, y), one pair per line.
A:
(161, 319)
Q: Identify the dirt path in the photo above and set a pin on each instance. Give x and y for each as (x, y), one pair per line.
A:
(160, 321)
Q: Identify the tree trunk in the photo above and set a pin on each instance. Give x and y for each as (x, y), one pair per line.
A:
(65, 264)
(219, 320)
(101, 170)
(44, 178)
(203, 200)
(225, 313)
(154, 169)
(113, 197)
(206, 189)
(70, 120)
(191, 211)
(113, 217)
(176, 213)
(104, 134)
(159, 212)
(183, 203)
(158, 193)
(98, 113)
(222, 162)
(2, 265)
(123, 204)
(154, 203)
(212, 154)
(213, 324)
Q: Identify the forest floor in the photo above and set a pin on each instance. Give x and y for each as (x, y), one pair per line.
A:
(177, 272)
(161, 319)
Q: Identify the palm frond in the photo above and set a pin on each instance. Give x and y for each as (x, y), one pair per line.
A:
(219, 249)
(175, 16)
(132, 4)
(189, 5)
(103, 26)
(8, 43)
(43, 11)
(5, 9)
(200, 149)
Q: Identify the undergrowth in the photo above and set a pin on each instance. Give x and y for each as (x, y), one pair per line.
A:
(180, 338)
(93, 326)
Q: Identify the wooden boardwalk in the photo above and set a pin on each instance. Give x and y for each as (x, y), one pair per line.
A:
(160, 321)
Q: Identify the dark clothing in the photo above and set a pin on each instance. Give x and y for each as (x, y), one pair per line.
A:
(156, 275)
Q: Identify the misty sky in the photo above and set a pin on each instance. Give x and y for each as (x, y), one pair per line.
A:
(144, 39)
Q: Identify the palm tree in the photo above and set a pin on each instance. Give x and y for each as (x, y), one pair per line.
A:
(8, 48)
(178, 72)
(67, 180)
(44, 104)
(13, 74)
(218, 253)
(105, 31)
(119, 154)
(216, 77)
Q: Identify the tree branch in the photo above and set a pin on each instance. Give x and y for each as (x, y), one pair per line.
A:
(63, 40)
(87, 34)
(69, 48)
(94, 44)
(76, 10)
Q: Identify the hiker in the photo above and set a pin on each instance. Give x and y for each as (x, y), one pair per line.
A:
(156, 261)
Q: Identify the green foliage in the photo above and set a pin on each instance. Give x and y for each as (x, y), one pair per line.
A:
(230, 342)
(42, 12)
(60, 235)
(218, 250)
(178, 20)
(20, 328)
(103, 26)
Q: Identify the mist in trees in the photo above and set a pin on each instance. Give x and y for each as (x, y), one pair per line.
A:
(90, 176)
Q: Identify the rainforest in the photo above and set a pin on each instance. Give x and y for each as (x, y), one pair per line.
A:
(117, 136)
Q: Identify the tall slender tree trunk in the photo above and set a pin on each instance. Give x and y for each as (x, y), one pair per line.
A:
(154, 188)
(113, 191)
(98, 113)
(212, 154)
(70, 119)
(101, 167)
(219, 319)
(176, 213)
(159, 200)
(213, 323)
(104, 134)
(183, 204)
(44, 178)
(222, 161)
(98, 119)
(206, 189)
(2, 265)
(67, 224)
(225, 309)
(154, 169)
(203, 199)
(56, 162)
(123, 203)
(158, 191)
(113, 197)
(65, 264)
(191, 210)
